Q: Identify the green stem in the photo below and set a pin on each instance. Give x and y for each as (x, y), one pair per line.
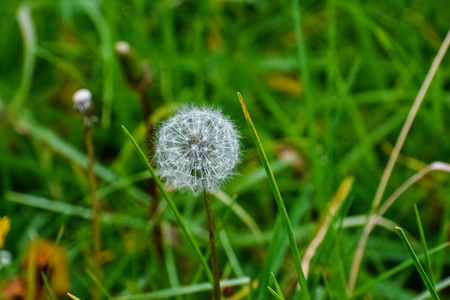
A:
(279, 200)
(212, 243)
(172, 206)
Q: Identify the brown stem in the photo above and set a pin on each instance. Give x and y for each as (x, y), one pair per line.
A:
(139, 77)
(212, 243)
(152, 188)
(96, 211)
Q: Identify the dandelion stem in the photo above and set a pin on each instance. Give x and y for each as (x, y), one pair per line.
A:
(212, 243)
(95, 208)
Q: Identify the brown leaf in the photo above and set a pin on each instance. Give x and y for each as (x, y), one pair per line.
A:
(15, 289)
(51, 259)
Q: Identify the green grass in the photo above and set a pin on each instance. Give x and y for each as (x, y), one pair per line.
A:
(328, 86)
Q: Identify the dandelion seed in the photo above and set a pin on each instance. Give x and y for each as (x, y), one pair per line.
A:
(198, 148)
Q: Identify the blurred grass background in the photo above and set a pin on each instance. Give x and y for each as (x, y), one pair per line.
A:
(331, 111)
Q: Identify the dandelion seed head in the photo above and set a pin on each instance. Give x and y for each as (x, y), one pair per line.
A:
(82, 100)
(198, 149)
(123, 48)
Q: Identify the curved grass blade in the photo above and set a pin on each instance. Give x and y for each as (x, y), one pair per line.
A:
(185, 290)
(277, 286)
(172, 206)
(424, 245)
(416, 262)
(72, 210)
(29, 39)
(388, 274)
(279, 200)
(439, 287)
(99, 284)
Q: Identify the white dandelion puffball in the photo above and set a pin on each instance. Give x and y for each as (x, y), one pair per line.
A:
(198, 148)
(82, 101)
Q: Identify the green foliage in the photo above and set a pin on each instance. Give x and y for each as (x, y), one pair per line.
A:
(328, 85)
(417, 264)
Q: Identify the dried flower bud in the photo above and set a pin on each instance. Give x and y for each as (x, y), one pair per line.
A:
(5, 258)
(123, 48)
(82, 101)
(198, 148)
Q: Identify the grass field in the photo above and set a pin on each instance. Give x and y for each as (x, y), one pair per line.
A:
(350, 101)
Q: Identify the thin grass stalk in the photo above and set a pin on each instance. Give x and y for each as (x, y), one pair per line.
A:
(310, 107)
(29, 40)
(392, 160)
(424, 245)
(32, 289)
(139, 77)
(375, 218)
(276, 192)
(415, 259)
(172, 206)
(96, 210)
(212, 244)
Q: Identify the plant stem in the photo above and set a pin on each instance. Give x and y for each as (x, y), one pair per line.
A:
(212, 244)
(139, 78)
(152, 189)
(95, 209)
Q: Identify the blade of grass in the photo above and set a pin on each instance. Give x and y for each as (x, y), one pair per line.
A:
(106, 54)
(304, 71)
(424, 245)
(279, 244)
(368, 286)
(52, 257)
(274, 293)
(185, 290)
(73, 297)
(225, 241)
(72, 210)
(44, 134)
(279, 200)
(277, 285)
(241, 213)
(29, 44)
(443, 236)
(439, 287)
(338, 199)
(169, 257)
(31, 276)
(416, 262)
(99, 284)
(50, 292)
(172, 206)
(393, 159)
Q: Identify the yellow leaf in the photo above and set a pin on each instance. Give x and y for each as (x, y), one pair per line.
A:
(285, 84)
(73, 297)
(5, 225)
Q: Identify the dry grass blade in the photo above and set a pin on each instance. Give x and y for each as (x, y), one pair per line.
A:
(393, 158)
(73, 297)
(338, 199)
(375, 218)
